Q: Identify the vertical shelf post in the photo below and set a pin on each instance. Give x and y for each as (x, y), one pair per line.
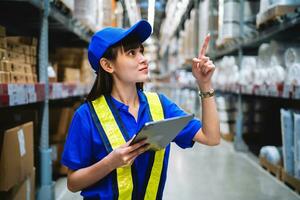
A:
(46, 189)
(239, 143)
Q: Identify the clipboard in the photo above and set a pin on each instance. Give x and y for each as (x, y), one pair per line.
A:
(161, 133)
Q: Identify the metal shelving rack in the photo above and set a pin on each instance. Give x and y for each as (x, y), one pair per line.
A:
(52, 20)
(287, 28)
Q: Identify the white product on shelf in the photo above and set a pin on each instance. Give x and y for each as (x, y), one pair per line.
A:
(69, 4)
(229, 18)
(119, 14)
(231, 11)
(278, 49)
(297, 144)
(264, 55)
(292, 56)
(86, 11)
(293, 75)
(204, 20)
(251, 8)
(264, 5)
(287, 140)
(224, 128)
(271, 153)
(285, 2)
(276, 75)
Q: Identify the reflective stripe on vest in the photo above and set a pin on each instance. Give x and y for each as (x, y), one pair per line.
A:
(157, 113)
(116, 139)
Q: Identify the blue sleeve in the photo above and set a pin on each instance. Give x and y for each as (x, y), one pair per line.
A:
(185, 138)
(77, 151)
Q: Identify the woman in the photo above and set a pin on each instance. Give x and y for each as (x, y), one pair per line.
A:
(97, 153)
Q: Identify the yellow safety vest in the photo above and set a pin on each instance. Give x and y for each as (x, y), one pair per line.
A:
(114, 139)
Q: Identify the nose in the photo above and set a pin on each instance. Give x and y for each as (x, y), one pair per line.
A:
(142, 59)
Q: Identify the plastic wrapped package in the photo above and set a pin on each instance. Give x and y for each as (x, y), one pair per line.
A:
(264, 55)
(293, 75)
(276, 75)
(203, 21)
(287, 140)
(278, 49)
(86, 11)
(231, 7)
(297, 144)
(292, 56)
(285, 2)
(271, 153)
(264, 5)
(251, 8)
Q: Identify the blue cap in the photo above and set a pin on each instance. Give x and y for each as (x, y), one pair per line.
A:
(107, 37)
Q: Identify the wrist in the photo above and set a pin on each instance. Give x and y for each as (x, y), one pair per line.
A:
(109, 161)
(205, 87)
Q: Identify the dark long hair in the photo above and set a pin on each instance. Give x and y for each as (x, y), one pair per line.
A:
(104, 81)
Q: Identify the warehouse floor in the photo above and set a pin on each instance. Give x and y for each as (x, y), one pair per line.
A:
(212, 173)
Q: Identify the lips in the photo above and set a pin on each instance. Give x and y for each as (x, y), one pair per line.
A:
(144, 68)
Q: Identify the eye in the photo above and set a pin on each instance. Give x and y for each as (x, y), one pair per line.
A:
(131, 52)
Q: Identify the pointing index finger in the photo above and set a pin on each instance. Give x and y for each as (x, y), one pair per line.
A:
(205, 45)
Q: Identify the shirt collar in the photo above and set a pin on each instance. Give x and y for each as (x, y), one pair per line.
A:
(120, 105)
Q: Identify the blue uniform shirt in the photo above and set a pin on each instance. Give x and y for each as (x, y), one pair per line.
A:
(84, 147)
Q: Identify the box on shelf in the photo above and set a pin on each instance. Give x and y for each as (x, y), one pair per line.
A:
(3, 54)
(57, 150)
(24, 190)
(22, 40)
(3, 43)
(71, 75)
(16, 156)
(60, 119)
(287, 140)
(5, 65)
(17, 77)
(2, 31)
(69, 57)
(4, 77)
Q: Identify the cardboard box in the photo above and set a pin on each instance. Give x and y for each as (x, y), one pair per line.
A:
(3, 44)
(2, 31)
(22, 40)
(17, 77)
(60, 119)
(29, 78)
(24, 190)
(35, 80)
(71, 75)
(16, 161)
(5, 65)
(4, 77)
(27, 69)
(33, 50)
(3, 54)
(18, 67)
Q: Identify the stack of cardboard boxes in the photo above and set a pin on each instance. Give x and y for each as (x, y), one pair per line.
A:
(60, 119)
(17, 59)
(72, 66)
(17, 172)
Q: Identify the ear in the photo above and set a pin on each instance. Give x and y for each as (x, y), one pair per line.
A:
(106, 65)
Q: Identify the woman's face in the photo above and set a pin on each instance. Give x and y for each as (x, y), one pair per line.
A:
(131, 66)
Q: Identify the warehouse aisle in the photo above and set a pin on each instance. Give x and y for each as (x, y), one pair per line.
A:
(207, 173)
